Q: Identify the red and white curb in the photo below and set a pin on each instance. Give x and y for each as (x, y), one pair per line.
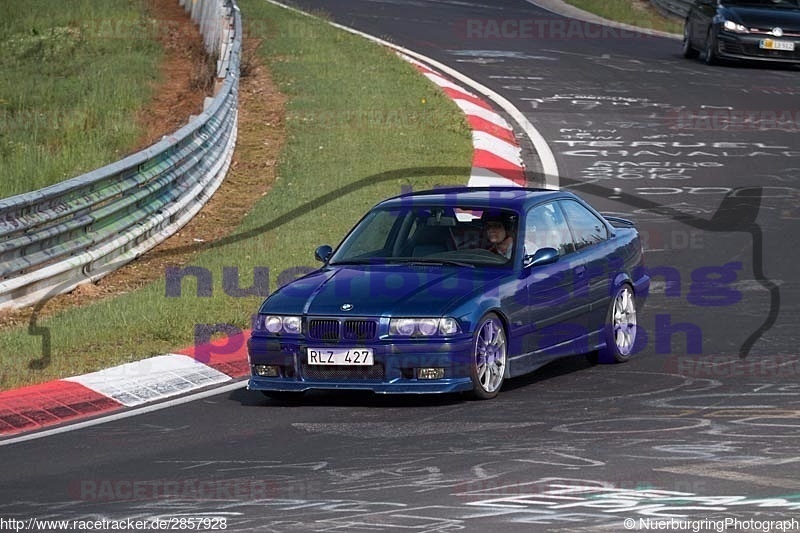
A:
(125, 386)
(497, 161)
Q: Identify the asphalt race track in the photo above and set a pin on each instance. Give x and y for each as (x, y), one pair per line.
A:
(703, 424)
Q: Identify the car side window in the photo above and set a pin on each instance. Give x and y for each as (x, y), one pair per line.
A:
(586, 227)
(545, 228)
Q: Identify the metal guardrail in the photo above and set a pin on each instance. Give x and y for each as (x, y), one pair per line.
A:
(675, 8)
(76, 231)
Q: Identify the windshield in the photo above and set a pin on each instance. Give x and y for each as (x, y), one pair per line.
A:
(459, 235)
(764, 3)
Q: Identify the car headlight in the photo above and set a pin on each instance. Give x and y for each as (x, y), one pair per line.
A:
(273, 324)
(278, 324)
(732, 26)
(402, 326)
(291, 324)
(423, 327)
(448, 326)
(428, 326)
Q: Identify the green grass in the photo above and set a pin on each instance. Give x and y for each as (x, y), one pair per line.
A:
(640, 14)
(355, 112)
(75, 73)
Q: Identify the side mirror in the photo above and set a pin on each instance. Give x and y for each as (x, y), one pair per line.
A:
(543, 256)
(323, 253)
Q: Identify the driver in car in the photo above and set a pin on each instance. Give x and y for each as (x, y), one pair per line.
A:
(498, 233)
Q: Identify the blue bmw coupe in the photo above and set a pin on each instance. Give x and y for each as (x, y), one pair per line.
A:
(454, 290)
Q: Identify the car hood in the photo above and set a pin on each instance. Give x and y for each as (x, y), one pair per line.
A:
(392, 290)
(764, 18)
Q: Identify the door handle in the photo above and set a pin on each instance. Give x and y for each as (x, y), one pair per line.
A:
(579, 271)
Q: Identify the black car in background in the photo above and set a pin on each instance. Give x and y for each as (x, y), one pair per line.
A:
(761, 30)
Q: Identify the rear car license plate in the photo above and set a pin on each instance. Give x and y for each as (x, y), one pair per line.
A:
(770, 44)
(340, 356)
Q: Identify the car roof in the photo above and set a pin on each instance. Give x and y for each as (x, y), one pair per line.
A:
(517, 198)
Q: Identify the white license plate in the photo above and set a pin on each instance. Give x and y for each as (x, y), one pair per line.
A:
(340, 356)
(769, 44)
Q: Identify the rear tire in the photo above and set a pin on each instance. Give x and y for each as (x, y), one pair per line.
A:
(620, 327)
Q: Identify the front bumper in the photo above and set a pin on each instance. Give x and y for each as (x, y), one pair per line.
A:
(746, 47)
(393, 371)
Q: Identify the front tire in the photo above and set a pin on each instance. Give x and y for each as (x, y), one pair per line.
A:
(620, 327)
(489, 357)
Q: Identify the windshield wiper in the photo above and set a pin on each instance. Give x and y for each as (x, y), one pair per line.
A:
(379, 261)
(423, 261)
